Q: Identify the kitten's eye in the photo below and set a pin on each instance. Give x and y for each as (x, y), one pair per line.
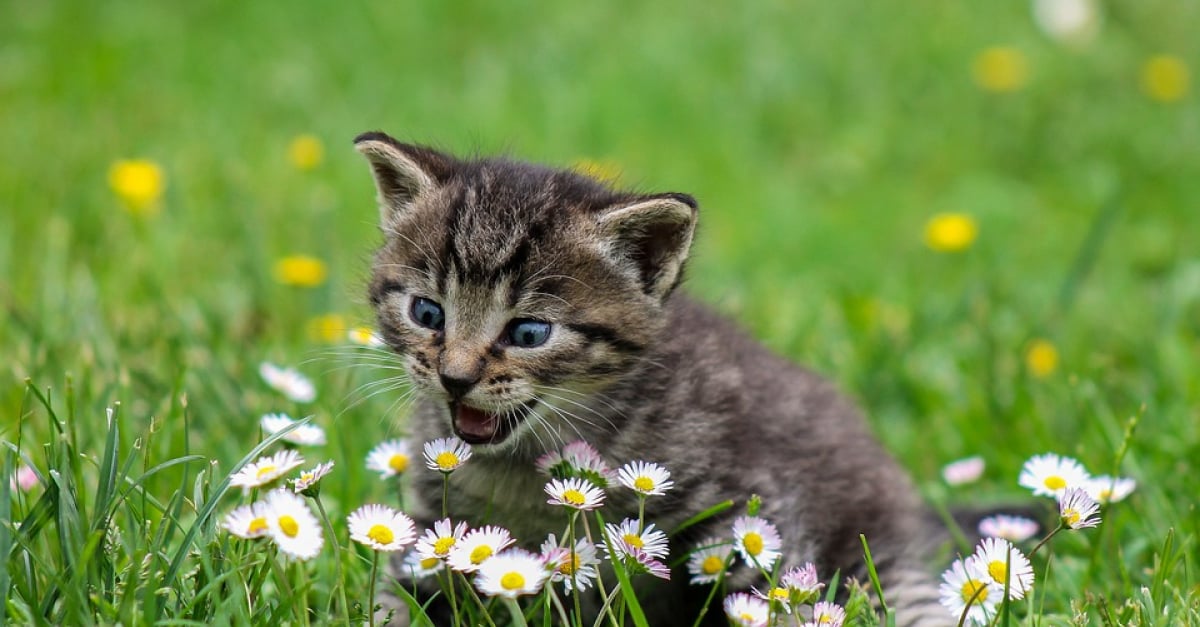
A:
(525, 333)
(427, 314)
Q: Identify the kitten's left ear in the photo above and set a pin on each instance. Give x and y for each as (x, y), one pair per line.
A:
(652, 235)
(403, 173)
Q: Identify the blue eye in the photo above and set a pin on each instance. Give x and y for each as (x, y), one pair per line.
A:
(525, 333)
(427, 314)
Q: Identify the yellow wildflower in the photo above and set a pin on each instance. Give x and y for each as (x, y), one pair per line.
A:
(950, 232)
(139, 183)
(300, 271)
(1000, 69)
(329, 328)
(1041, 358)
(1165, 78)
(604, 171)
(306, 152)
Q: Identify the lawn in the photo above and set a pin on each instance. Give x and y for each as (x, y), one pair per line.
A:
(822, 140)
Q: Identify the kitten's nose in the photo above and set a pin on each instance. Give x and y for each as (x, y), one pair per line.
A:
(458, 384)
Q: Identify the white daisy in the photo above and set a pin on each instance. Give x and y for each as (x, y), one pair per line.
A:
(364, 336)
(577, 569)
(476, 547)
(247, 521)
(746, 611)
(1076, 508)
(578, 494)
(437, 542)
(511, 574)
(757, 541)
(389, 458)
(827, 614)
(306, 434)
(446, 454)
(802, 583)
(645, 478)
(308, 483)
(1071, 21)
(1105, 489)
(963, 471)
(650, 540)
(964, 582)
(288, 382)
(292, 524)
(1050, 474)
(779, 595)
(418, 568)
(381, 528)
(707, 563)
(1001, 560)
(264, 470)
(1011, 528)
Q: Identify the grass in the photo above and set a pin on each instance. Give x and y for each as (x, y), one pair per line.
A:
(819, 139)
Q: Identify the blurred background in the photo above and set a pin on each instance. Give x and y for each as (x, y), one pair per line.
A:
(979, 217)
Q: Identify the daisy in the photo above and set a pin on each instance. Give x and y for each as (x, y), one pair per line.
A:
(963, 471)
(965, 583)
(827, 614)
(626, 534)
(476, 546)
(304, 435)
(264, 470)
(577, 459)
(576, 569)
(646, 479)
(1001, 560)
(389, 458)
(364, 336)
(292, 524)
(577, 494)
(288, 382)
(706, 564)
(380, 528)
(247, 521)
(1011, 528)
(756, 540)
(511, 574)
(642, 562)
(446, 454)
(1076, 508)
(802, 583)
(418, 568)
(778, 595)
(308, 483)
(1050, 474)
(437, 542)
(746, 611)
(1105, 489)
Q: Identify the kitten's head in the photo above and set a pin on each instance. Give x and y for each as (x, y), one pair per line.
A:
(511, 290)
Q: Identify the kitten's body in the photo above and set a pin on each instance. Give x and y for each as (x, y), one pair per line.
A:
(630, 366)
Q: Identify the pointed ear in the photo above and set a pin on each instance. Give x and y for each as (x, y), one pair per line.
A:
(652, 236)
(403, 173)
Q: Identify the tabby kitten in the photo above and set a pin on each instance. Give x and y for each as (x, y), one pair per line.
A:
(532, 307)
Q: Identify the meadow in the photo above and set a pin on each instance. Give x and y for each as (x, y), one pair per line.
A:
(984, 227)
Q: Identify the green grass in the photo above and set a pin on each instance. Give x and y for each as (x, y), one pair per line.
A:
(819, 137)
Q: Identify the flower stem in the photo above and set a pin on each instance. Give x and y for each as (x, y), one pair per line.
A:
(574, 563)
(515, 611)
(337, 559)
(445, 494)
(371, 593)
(1046, 539)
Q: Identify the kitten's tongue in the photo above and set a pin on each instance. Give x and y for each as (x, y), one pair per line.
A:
(475, 423)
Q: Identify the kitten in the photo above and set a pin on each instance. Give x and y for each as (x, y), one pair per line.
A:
(531, 307)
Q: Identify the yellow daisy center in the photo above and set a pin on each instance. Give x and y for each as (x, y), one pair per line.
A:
(398, 462)
(712, 565)
(633, 540)
(512, 581)
(480, 553)
(289, 526)
(362, 335)
(753, 543)
(443, 545)
(998, 570)
(381, 534)
(429, 562)
(1105, 494)
(643, 483)
(824, 619)
(264, 471)
(574, 497)
(571, 566)
(748, 618)
(257, 525)
(447, 460)
(974, 591)
(306, 477)
(780, 594)
(1055, 482)
(1071, 516)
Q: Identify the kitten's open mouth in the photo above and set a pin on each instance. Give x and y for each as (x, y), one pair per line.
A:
(476, 426)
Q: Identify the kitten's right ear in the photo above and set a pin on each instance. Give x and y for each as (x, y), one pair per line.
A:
(403, 173)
